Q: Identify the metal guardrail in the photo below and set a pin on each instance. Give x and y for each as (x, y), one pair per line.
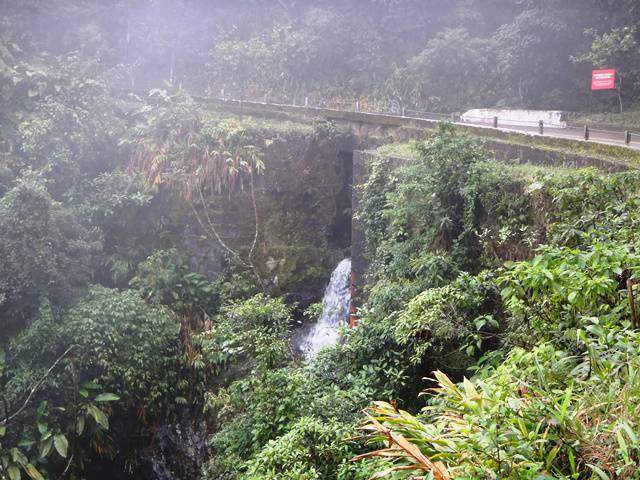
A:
(614, 137)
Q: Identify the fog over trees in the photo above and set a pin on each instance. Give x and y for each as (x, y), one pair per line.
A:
(437, 54)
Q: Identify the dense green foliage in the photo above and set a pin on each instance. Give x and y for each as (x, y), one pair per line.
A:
(543, 334)
(513, 275)
(118, 344)
(157, 257)
(556, 394)
(106, 271)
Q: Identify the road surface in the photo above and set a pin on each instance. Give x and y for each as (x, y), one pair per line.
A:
(571, 133)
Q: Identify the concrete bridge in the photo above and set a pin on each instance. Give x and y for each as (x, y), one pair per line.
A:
(524, 144)
(550, 124)
(370, 130)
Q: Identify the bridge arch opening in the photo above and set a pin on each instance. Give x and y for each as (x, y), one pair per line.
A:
(340, 234)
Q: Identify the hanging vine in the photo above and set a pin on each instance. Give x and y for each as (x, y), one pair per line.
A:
(174, 147)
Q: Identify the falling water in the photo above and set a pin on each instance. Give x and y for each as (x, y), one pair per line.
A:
(335, 310)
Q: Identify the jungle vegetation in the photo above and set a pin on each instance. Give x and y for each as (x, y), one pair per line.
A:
(500, 334)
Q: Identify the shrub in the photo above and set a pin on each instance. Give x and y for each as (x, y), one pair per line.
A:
(44, 250)
(127, 345)
(544, 413)
(164, 278)
(561, 287)
(109, 346)
(311, 449)
(450, 325)
(249, 334)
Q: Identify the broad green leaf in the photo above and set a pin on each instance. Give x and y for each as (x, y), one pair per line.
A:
(62, 445)
(107, 397)
(80, 425)
(99, 416)
(445, 382)
(632, 436)
(91, 386)
(14, 473)
(469, 389)
(18, 457)
(623, 446)
(45, 447)
(551, 456)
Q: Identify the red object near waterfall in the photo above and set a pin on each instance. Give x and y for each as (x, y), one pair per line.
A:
(353, 311)
(603, 79)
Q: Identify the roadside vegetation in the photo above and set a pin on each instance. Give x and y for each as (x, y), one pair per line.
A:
(630, 119)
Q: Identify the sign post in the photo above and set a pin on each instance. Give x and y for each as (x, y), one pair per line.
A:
(603, 79)
(606, 80)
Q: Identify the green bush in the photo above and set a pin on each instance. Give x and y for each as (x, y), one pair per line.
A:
(311, 449)
(251, 334)
(561, 287)
(591, 207)
(447, 211)
(451, 325)
(544, 413)
(164, 278)
(127, 345)
(427, 205)
(45, 251)
(118, 349)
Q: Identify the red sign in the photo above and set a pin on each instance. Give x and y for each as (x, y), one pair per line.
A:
(603, 79)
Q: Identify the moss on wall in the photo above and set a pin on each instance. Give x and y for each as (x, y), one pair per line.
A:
(296, 198)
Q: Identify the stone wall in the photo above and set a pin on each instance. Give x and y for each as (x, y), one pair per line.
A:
(514, 153)
(298, 200)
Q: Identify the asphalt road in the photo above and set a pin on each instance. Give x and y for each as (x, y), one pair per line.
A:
(572, 133)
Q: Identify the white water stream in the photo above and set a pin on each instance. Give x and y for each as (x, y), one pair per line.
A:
(335, 311)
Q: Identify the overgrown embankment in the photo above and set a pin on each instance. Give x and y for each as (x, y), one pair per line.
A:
(549, 336)
(513, 275)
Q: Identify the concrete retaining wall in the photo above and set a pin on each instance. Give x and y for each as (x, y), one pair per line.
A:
(514, 153)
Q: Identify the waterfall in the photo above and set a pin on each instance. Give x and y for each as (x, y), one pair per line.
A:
(335, 310)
